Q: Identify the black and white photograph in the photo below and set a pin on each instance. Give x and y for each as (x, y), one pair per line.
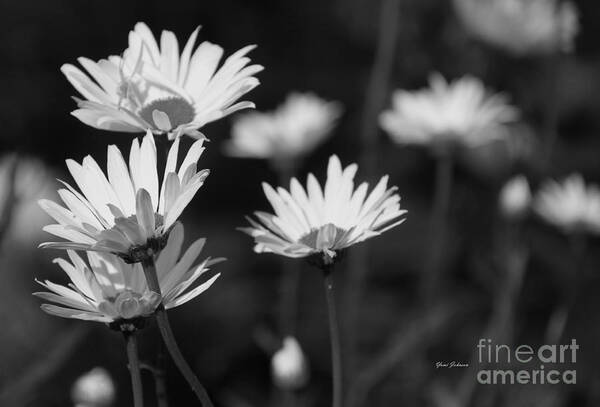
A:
(300, 203)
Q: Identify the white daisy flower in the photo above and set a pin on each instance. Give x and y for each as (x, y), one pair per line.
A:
(319, 221)
(571, 205)
(515, 197)
(521, 27)
(110, 290)
(461, 112)
(127, 212)
(290, 132)
(155, 87)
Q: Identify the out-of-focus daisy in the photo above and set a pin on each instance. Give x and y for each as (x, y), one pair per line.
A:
(110, 290)
(461, 112)
(290, 132)
(521, 26)
(318, 221)
(289, 367)
(515, 197)
(155, 87)
(94, 389)
(127, 212)
(19, 193)
(571, 205)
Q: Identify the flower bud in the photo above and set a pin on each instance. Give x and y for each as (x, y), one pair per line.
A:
(93, 389)
(289, 366)
(515, 197)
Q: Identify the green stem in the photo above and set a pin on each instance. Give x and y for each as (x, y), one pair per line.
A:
(134, 369)
(336, 355)
(169, 339)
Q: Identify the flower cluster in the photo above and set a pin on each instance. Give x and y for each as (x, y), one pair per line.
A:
(126, 217)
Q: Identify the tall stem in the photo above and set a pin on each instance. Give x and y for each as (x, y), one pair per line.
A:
(443, 190)
(376, 94)
(334, 336)
(169, 339)
(559, 317)
(288, 297)
(159, 377)
(290, 276)
(514, 254)
(551, 107)
(134, 368)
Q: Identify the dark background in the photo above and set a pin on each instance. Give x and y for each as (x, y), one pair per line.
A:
(326, 47)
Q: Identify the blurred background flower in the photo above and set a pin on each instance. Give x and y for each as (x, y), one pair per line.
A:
(522, 27)
(23, 181)
(446, 114)
(94, 389)
(289, 366)
(570, 205)
(287, 134)
(515, 197)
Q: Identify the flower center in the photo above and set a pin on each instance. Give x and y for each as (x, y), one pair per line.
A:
(168, 113)
(323, 238)
(129, 304)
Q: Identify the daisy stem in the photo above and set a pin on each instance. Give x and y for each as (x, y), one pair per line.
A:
(559, 317)
(513, 251)
(159, 377)
(334, 336)
(443, 190)
(166, 332)
(134, 368)
(375, 97)
(290, 276)
(551, 107)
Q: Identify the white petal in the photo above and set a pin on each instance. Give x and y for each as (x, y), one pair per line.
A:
(118, 175)
(145, 213)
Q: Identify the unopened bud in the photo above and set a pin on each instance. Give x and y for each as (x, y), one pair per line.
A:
(515, 197)
(289, 366)
(93, 389)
